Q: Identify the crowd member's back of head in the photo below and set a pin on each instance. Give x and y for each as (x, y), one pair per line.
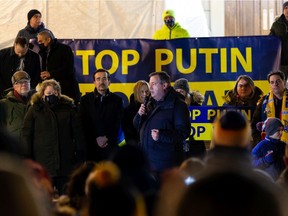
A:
(18, 196)
(108, 195)
(230, 193)
(231, 129)
(230, 142)
(134, 167)
(191, 167)
(76, 185)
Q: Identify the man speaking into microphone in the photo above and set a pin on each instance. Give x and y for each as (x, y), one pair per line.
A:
(163, 124)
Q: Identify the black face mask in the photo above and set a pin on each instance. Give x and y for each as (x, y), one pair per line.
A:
(51, 99)
(42, 47)
(169, 22)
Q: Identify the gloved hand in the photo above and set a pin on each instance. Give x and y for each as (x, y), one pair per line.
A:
(269, 158)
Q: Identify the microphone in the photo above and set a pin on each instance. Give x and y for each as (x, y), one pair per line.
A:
(146, 100)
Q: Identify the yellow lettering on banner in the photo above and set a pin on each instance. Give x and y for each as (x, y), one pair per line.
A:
(236, 55)
(159, 62)
(247, 114)
(211, 114)
(208, 57)
(114, 57)
(85, 59)
(126, 62)
(195, 113)
(165, 57)
(223, 63)
(179, 61)
(201, 131)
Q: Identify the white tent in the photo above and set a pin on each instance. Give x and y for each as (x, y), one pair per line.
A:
(101, 19)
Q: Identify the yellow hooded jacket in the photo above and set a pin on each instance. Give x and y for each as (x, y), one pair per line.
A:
(166, 33)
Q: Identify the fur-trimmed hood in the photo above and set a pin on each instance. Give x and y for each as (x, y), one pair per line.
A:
(36, 99)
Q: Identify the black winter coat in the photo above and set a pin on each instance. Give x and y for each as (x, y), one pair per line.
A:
(60, 65)
(101, 116)
(130, 132)
(171, 117)
(53, 135)
(280, 29)
(9, 62)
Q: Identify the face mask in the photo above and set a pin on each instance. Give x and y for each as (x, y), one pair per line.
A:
(169, 22)
(42, 47)
(51, 99)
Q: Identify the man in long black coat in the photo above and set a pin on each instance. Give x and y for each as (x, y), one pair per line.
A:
(101, 112)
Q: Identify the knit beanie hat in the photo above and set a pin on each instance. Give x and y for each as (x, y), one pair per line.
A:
(168, 13)
(182, 83)
(232, 129)
(270, 126)
(31, 13)
(285, 4)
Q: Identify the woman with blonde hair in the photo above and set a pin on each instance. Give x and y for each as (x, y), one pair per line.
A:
(140, 92)
(52, 133)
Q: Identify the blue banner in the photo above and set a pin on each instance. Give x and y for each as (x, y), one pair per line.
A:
(210, 64)
(197, 59)
(201, 118)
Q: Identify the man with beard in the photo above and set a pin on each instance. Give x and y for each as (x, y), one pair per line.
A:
(101, 113)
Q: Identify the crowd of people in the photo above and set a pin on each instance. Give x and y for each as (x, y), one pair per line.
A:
(61, 151)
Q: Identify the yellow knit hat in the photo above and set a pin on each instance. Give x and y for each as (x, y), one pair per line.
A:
(168, 13)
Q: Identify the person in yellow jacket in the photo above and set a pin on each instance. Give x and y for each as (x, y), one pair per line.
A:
(170, 29)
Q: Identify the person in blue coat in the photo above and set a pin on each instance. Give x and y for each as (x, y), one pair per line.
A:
(163, 123)
(268, 154)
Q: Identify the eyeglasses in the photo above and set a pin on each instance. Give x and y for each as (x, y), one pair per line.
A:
(23, 82)
(243, 86)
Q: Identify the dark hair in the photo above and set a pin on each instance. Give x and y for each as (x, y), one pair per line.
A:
(47, 33)
(219, 193)
(22, 41)
(164, 77)
(101, 70)
(76, 184)
(278, 73)
(249, 81)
